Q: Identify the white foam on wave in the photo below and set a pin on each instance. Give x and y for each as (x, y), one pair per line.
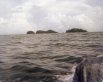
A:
(67, 78)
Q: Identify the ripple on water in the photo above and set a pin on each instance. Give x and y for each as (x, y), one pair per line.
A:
(40, 58)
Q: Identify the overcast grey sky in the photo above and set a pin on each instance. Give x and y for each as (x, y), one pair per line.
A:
(19, 16)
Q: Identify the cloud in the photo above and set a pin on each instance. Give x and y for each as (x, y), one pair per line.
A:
(95, 3)
(19, 16)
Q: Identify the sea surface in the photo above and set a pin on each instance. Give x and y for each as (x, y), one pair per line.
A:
(46, 57)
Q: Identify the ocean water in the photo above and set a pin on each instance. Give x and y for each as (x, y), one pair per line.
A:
(46, 57)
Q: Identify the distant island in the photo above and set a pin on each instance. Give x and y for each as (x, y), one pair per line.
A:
(75, 30)
(30, 32)
(52, 31)
(48, 31)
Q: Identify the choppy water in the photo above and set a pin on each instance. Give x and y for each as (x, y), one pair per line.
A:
(43, 57)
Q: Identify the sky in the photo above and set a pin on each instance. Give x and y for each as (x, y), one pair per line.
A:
(20, 16)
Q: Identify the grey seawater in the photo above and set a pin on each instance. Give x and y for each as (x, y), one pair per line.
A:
(45, 57)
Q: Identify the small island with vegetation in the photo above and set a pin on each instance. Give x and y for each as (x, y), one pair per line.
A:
(30, 32)
(48, 31)
(75, 30)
